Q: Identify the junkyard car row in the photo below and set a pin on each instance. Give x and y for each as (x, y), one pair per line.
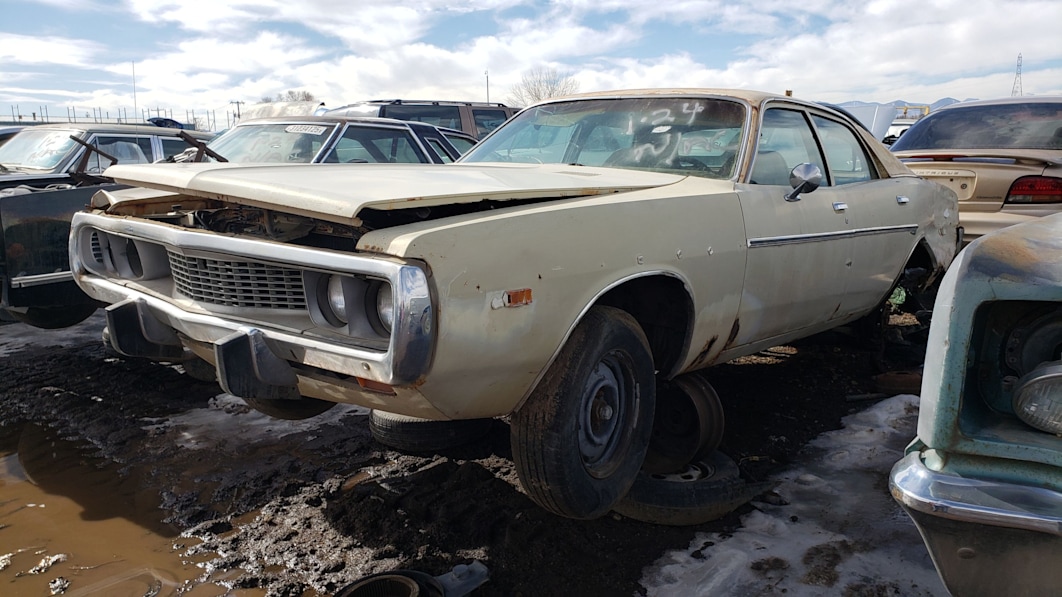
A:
(49, 176)
(579, 266)
(588, 250)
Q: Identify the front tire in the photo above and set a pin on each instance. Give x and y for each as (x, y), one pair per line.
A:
(54, 318)
(580, 439)
(290, 410)
(413, 434)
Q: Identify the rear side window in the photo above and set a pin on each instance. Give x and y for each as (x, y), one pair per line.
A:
(487, 120)
(376, 146)
(128, 150)
(845, 157)
(172, 146)
(462, 144)
(1015, 126)
(446, 116)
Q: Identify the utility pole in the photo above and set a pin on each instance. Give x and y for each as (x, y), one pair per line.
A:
(487, 74)
(1016, 90)
(237, 108)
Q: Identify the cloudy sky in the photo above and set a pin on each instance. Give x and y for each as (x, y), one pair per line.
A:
(203, 54)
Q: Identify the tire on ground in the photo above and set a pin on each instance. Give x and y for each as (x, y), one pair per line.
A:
(412, 434)
(292, 410)
(580, 438)
(705, 491)
(53, 318)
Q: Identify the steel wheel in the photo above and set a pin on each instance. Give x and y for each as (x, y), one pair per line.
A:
(579, 440)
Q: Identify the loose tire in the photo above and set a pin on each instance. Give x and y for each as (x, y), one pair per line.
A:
(580, 438)
(412, 434)
(703, 491)
(688, 425)
(291, 410)
(54, 318)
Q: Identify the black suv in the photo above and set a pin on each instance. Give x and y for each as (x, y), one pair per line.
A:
(475, 118)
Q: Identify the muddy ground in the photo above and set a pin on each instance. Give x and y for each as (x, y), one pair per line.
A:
(307, 512)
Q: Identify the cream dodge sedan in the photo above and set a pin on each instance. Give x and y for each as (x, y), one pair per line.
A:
(572, 271)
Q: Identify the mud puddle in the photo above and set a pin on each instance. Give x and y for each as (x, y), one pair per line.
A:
(72, 524)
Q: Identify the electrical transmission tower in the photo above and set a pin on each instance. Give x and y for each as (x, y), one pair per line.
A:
(1016, 90)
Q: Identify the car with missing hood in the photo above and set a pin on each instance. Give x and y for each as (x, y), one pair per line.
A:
(47, 172)
(574, 271)
(983, 479)
(1003, 158)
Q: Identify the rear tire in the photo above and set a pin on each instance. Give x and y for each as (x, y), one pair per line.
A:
(412, 434)
(580, 438)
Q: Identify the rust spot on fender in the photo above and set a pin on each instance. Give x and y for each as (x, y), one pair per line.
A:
(734, 329)
(703, 355)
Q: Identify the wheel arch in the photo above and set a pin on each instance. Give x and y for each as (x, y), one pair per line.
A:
(669, 331)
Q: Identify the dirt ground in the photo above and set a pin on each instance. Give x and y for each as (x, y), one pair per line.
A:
(308, 512)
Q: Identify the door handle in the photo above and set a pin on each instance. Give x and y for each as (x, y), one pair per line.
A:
(902, 200)
(840, 206)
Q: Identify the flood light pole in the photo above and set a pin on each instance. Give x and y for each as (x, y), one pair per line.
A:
(487, 74)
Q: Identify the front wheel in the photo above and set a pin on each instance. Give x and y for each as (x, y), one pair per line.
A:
(579, 440)
(291, 410)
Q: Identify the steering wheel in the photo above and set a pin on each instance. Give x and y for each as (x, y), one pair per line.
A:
(685, 162)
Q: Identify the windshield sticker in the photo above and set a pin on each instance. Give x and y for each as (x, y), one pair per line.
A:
(306, 128)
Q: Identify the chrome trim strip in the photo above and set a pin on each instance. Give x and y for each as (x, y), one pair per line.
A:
(42, 279)
(775, 241)
(977, 501)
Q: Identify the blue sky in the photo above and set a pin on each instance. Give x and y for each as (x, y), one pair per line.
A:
(200, 55)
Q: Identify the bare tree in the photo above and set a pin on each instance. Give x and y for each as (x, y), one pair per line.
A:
(291, 95)
(541, 83)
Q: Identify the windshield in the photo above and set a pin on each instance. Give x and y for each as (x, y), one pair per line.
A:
(1005, 126)
(38, 149)
(697, 136)
(273, 142)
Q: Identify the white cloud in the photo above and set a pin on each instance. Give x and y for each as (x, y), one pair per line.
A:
(34, 49)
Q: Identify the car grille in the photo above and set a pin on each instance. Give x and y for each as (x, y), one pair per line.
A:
(237, 283)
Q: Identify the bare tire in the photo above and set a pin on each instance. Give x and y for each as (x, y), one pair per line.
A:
(292, 410)
(688, 425)
(412, 434)
(701, 492)
(580, 438)
(200, 370)
(53, 318)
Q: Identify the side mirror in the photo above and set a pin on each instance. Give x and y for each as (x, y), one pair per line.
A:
(804, 178)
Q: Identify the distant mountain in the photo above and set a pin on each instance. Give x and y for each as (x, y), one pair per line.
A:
(900, 104)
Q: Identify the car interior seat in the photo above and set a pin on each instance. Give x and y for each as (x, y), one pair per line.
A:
(126, 152)
(770, 168)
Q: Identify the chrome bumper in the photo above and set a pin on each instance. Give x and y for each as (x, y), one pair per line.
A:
(985, 537)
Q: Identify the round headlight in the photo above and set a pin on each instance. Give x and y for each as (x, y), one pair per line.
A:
(385, 306)
(337, 301)
(1038, 397)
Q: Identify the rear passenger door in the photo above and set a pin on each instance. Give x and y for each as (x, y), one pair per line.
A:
(882, 220)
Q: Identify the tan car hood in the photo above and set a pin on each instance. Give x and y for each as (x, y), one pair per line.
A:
(338, 192)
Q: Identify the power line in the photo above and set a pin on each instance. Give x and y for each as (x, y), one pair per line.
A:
(1016, 90)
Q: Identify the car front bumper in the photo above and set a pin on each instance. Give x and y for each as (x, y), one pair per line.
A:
(985, 537)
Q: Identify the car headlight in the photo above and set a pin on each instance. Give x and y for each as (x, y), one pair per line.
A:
(385, 305)
(1038, 397)
(337, 299)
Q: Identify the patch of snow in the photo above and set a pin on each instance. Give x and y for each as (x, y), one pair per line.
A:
(228, 418)
(835, 528)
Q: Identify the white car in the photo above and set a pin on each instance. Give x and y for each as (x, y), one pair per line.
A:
(589, 250)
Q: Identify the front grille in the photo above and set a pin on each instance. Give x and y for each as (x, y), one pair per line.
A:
(237, 283)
